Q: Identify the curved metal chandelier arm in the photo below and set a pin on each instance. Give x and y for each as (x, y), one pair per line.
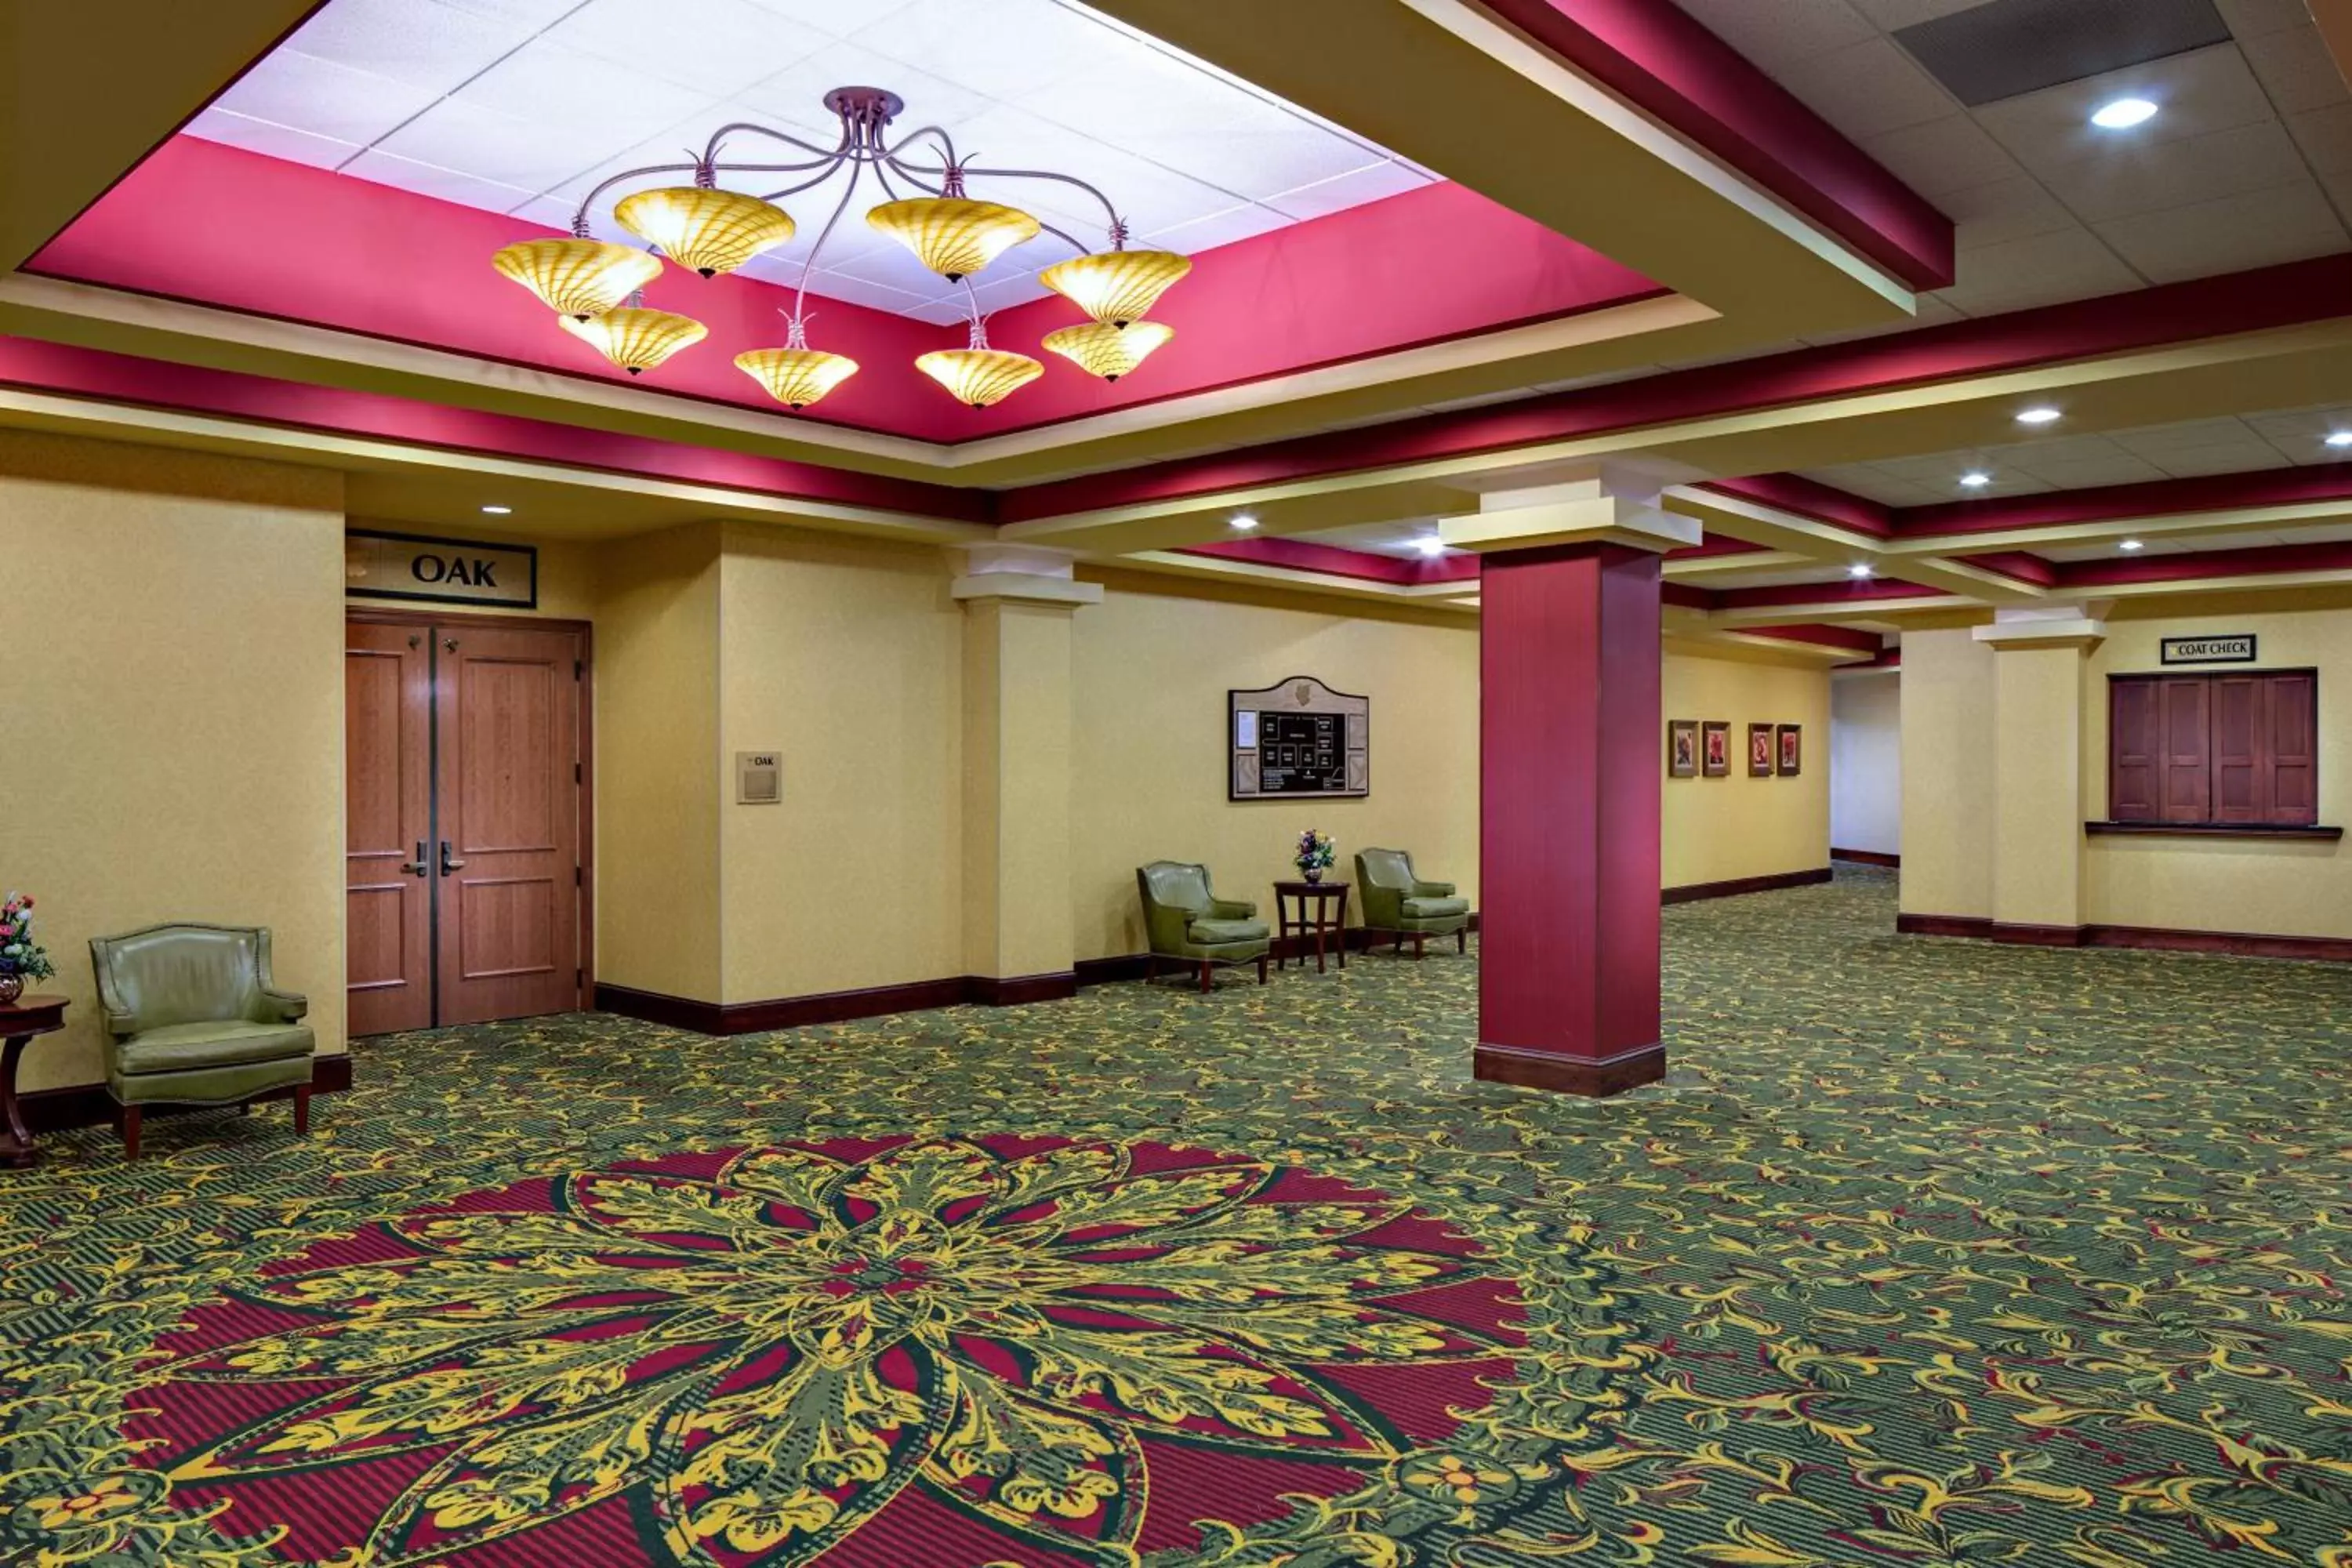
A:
(579, 214)
(830, 171)
(928, 188)
(710, 148)
(947, 142)
(800, 297)
(1109, 211)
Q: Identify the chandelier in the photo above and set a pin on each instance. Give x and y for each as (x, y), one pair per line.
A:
(597, 287)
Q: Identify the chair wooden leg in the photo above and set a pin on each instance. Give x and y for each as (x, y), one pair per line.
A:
(130, 1132)
(1261, 969)
(302, 1111)
(1204, 977)
(244, 1108)
(1461, 940)
(1420, 944)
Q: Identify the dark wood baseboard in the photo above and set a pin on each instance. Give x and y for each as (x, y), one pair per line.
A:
(2152, 939)
(88, 1104)
(1126, 967)
(1569, 1075)
(1867, 857)
(833, 1006)
(1691, 892)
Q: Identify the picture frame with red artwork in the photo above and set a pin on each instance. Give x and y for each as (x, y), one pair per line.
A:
(1714, 748)
(1760, 751)
(1682, 748)
(1791, 749)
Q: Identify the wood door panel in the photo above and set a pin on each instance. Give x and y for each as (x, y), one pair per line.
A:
(508, 802)
(387, 740)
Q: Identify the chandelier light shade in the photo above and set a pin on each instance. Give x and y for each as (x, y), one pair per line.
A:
(1101, 349)
(955, 236)
(636, 338)
(712, 231)
(580, 277)
(980, 376)
(1116, 286)
(796, 377)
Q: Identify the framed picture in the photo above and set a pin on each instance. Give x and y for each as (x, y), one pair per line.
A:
(1792, 738)
(1714, 747)
(1760, 751)
(1682, 748)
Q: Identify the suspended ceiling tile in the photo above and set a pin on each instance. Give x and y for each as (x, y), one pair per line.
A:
(597, 103)
(2122, 469)
(270, 140)
(427, 45)
(1868, 89)
(2296, 68)
(1377, 183)
(2174, 174)
(473, 139)
(2192, 461)
(426, 180)
(1240, 221)
(1007, 49)
(832, 16)
(796, 94)
(2254, 18)
(2304, 426)
(2070, 264)
(1952, 153)
(1893, 14)
(531, 15)
(2256, 229)
(2003, 212)
(859, 291)
(2197, 94)
(712, 46)
(2326, 137)
(1782, 33)
(2159, 439)
(326, 99)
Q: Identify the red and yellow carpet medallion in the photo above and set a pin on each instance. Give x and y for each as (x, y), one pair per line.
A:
(870, 1353)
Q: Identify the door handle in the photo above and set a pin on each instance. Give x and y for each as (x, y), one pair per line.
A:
(448, 865)
(418, 866)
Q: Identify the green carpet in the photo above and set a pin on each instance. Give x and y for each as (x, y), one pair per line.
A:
(1925, 1252)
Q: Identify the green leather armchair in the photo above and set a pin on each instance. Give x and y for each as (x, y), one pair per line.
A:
(1192, 925)
(1397, 903)
(194, 1020)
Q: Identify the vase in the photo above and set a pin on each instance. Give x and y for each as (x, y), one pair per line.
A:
(11, 987)
(1312, 873)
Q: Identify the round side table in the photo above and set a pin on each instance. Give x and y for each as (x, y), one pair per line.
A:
(19, 1022)
(1322, 908)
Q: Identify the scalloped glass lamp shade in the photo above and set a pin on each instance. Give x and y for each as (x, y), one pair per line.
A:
(711, 231)
(953, 236)
(1116, 286)
(580, 277)
(979, 377)
(636, 338)
(1101, 349)
(796, 377)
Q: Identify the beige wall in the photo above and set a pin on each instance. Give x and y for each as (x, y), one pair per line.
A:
(846, 656)
(2226, 884)
(1722, 829)
(1866, 761)
(1948, 774)
(1154, 663)
(173, 722)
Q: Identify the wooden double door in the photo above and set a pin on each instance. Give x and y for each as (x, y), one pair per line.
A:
(466, 814)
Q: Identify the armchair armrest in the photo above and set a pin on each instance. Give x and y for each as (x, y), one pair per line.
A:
(282, 1007)
(1232, 909)
(1422, 889)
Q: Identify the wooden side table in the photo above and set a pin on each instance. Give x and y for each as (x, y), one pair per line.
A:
(19, 1022)
(1322, 908)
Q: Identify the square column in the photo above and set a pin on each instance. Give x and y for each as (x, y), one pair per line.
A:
(1020, 942)
(2037, 858)
(1569, 785)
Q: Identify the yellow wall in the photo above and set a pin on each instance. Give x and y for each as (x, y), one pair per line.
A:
(172, 728)
(1154, 663)
(1948, 774)
(846, 656)
(1016, 793)
(2226, 884)
(1720, 829)
(656, 800)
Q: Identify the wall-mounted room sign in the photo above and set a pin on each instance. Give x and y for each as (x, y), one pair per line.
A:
(2236, 648)
(1298, 738)
(441, 570)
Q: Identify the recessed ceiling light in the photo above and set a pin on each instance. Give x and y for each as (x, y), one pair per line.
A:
(2130, 544)
(1243, 523)
(2340, 438)
(497, 511)
(1976, 479)
(1859, 569)
(2123, 114)
(1430, 544)
(2041, 416)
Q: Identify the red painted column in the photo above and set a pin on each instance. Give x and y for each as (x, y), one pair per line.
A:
(1567, 890)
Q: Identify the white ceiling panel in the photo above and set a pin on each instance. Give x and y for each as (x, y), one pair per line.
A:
(2070, 264)
(1953, 153)
(522, 106)
(1868, 89)
(1785, 31)
(2258, 228)
(2297, 78)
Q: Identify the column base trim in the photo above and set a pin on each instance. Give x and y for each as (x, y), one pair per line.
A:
(1691, 892)
(2147, 939)
(88, 1104)
(1595, 1077)
(833, 1006)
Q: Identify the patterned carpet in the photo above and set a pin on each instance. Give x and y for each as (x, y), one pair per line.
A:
(1926, 1253)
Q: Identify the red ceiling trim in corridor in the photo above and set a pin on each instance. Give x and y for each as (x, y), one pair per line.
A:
(2291, 294)
(2254, 561)
(1849, 637)
(1335, 561)
(1655, 57)
(2310, 485)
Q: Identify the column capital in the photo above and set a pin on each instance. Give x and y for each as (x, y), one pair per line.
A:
(1022, 573)
(2028, 626)
(1601, 508)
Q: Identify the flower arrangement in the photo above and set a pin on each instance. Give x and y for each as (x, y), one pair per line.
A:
(1314, 854)
(21, 958)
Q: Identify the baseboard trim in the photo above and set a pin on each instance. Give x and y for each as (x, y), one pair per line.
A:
(1867, 857)
(1569, 1075)
(1691, 892)
(88, 1104)
(833, 1006)
(2151, 938)
(1126, 966)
